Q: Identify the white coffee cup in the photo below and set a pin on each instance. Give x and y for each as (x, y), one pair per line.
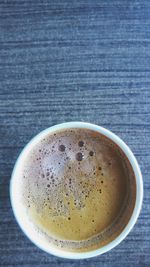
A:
(20, 212)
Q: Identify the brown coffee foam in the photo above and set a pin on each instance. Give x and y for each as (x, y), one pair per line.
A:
(75, 202)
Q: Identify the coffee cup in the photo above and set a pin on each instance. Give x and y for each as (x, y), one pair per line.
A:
(27, 225)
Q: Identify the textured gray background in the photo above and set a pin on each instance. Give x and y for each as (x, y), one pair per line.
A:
(73, 60)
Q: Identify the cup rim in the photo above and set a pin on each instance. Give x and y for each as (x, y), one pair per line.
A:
(139, 191)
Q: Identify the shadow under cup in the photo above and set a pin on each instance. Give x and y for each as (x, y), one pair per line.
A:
(114, 233)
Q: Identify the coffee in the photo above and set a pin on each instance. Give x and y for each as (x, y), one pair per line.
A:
(78, 188)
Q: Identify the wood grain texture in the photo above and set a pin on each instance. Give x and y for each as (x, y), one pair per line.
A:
(73, 60)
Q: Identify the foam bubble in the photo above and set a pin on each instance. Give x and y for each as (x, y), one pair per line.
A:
(61, 148)
(81, 143)
(79, 156)
(91, 153)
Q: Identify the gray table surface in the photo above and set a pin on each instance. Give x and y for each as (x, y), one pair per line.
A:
(73, 60)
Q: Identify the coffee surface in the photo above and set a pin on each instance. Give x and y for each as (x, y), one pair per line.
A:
(78, 188)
